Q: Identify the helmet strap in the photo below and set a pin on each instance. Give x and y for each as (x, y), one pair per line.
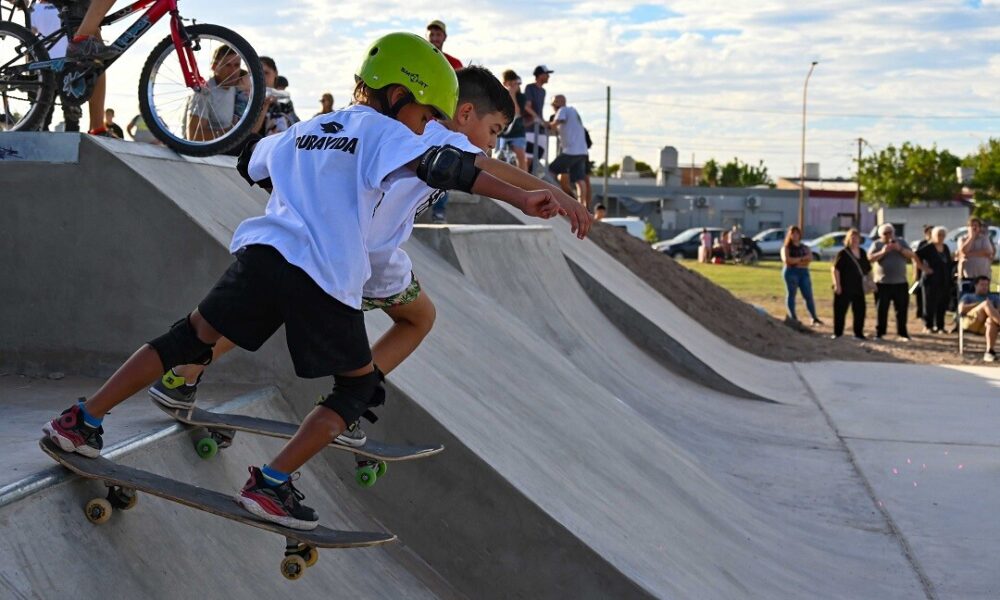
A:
(399, 104)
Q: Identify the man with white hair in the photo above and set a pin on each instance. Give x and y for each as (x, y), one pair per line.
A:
(889, 256)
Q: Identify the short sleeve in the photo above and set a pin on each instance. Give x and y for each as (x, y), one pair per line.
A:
(561, 115)
(258, 169)
(385, 151)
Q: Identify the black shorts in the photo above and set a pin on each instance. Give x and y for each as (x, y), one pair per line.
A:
(574, 164)
(261, 291)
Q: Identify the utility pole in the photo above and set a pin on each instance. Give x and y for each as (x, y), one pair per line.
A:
(857, 192)
(802, 173)
(607, 143)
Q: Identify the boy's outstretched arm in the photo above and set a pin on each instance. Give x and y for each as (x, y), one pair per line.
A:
(448, 168)
(579, 218)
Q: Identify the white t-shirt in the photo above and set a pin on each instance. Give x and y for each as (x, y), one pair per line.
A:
(329, 175)
(393, 222)
(572, 138)
(45, 20)
(215, 104)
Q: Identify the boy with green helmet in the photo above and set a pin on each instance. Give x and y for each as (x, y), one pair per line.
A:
(303, 264)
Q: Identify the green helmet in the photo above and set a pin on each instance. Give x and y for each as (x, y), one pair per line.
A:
(412, 62)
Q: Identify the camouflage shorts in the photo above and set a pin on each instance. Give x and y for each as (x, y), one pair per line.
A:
(405, 297)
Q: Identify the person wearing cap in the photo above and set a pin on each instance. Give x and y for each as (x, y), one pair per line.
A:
(325, 104)
(437, 33)
(534, 124)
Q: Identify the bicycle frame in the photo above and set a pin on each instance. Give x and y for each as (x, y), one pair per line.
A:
(159, 8)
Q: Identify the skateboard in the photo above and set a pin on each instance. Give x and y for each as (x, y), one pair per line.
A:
(124, 483)
(370, 458)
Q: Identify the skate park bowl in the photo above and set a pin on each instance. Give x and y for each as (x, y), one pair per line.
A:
(595, 445)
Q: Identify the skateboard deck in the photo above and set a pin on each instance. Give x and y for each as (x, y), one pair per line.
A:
(124, 481)
(373, 449)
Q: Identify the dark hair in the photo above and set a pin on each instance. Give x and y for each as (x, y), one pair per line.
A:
(788, 236)
(980, 278)
(280, 81)
(509, 75)
(600, 207)
(479, 87)
(267, 60)
(928, 229)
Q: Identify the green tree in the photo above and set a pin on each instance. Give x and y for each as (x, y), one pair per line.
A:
(898, 177)
(709, 174)
(734, 174)
(644, 169)
(985, 183)
(599, 171)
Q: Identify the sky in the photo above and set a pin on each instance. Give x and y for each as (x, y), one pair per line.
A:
(713, 79)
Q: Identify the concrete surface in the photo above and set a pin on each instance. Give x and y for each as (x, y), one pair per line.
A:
(579, 462)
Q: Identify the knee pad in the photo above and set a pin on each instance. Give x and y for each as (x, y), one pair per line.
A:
(181, 346)
(354, 397)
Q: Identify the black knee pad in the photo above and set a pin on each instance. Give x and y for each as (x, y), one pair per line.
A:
(181, 346)
(354, 397)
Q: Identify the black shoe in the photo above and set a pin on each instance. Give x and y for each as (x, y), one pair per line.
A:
(71, 434)
(860, 337)
(816, 322)
(277, 504)
(173, 391)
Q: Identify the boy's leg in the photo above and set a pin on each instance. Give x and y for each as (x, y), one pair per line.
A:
(177, 388)
(95, 106)
(91, 24)
(411, 323)
(86, 43)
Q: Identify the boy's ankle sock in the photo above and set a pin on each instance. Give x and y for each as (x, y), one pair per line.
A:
(88, 419)
(273, 477)
(79, 38)
(98, 130)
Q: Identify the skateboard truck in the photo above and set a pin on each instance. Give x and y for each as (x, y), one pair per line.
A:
(298, 557)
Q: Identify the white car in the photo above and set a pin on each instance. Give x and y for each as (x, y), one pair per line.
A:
(954, 236)
(770, 241)
(634, 225)
(826, 247)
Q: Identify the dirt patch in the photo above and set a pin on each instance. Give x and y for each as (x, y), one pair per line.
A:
(725, 315)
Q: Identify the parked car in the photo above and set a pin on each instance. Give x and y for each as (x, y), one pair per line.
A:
(826, 247)
(634, 225)
(769, 241)
(686, 243)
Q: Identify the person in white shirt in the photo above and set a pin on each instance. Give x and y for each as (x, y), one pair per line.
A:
(484, 110)
(572, 158)
(303, 264)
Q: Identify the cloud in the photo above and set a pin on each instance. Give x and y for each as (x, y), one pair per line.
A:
(717, 79)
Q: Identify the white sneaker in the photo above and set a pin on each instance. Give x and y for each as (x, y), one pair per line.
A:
(989, 356)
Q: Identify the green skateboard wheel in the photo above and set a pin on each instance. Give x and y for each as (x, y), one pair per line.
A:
(366, 476)
(382, 468)
(207, 447)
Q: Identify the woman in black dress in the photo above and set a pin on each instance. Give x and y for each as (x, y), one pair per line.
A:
(935, 280)
(849, 268)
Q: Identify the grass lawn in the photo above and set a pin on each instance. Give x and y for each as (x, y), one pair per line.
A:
(763, 285)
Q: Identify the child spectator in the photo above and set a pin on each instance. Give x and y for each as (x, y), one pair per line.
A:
(980, 315)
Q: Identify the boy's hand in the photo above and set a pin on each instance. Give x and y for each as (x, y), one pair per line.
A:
(541, 203)
(580, 219)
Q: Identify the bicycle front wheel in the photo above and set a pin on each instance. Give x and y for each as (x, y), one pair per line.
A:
(207, 119)
(26, 96)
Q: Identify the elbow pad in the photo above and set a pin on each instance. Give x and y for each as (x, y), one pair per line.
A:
(243, 163)
(448, 168)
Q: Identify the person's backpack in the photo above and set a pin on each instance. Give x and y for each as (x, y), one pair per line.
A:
(586, 135)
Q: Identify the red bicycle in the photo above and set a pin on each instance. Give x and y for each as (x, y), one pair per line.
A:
(200, 91)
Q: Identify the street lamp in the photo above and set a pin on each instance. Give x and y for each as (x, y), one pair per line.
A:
(802, 172)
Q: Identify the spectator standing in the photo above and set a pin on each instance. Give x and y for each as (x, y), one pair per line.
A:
(796, 257)
(140, 132)
(705, 251)
(515, 134)
(849, 270)
(285, 103)
(980, 314)
(437, 33)
(109, 122)
(325, 104)
(928, 229)
(44, 21)
(889, 256)
(572, 159)
(212, 112)
(534, 123)
(935, 280)
(976, 251)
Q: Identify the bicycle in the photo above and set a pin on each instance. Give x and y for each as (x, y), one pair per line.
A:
(9, 9)
(181, 108)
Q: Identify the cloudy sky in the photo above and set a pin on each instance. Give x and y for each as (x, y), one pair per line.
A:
(714, 79)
